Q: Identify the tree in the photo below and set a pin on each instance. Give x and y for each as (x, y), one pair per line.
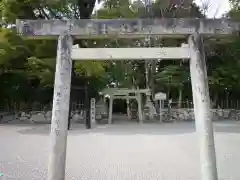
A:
(27, 66)
(41, 62)
(45, 9)
(174, 77)
(168, 9)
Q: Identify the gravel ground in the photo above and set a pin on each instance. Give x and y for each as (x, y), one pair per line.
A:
(119, 152)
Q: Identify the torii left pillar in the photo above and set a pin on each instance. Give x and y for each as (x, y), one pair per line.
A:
(61, 100)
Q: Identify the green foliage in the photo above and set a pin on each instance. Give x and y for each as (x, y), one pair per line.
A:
(42, 69)
(173, 76)
(90, 68)
(27, 67)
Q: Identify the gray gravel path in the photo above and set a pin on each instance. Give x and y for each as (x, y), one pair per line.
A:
(119, 152)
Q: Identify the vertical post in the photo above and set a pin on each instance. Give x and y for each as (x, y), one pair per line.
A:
(128, 109)
(87, 105)
(59, 125)
(202, 112)
(93, 112)
(139, 100)
(104, 106)
(160, 110)
(110, 110)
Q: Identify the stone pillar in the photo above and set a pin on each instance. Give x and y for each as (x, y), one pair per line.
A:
(87, 106)
(160, 111)
(110, 110)
(150, 107)
(59, 125)
(93, 112)
(139, 100)
(202, 112)
(128, 110)
(104, 99)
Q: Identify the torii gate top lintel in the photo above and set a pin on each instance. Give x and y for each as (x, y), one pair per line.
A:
(126, 28)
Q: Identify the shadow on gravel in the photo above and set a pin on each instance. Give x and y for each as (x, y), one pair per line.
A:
(133, 128)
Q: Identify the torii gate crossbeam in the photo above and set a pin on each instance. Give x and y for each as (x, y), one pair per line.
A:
(195, 29)
(130, 53)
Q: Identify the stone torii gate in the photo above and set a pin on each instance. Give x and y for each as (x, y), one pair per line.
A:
(66, 30)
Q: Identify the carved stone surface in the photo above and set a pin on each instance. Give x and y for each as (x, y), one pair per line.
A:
(93, 112)
(60, 110)
(123, 28)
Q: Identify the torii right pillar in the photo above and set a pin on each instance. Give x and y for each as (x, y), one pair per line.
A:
(201, 100)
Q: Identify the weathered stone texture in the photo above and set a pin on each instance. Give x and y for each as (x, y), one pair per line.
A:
(126, 27)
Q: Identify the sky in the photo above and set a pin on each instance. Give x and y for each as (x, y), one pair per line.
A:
(216, 7)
